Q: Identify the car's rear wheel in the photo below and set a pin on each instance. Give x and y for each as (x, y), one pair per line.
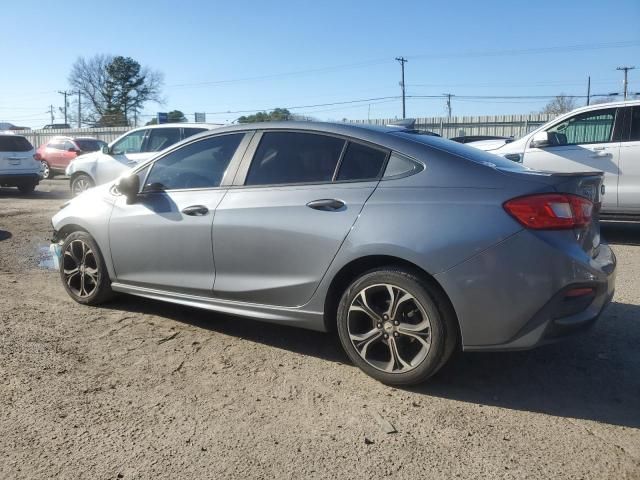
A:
(395, 326)
(80, 183)
(47, 173)
(83, 271)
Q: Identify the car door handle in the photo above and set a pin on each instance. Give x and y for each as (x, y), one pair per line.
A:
(195, 210)
(131, 163)
(326, 204)
(599, 153)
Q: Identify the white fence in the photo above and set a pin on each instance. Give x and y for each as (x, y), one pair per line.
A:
(502, 125)
(38, 137)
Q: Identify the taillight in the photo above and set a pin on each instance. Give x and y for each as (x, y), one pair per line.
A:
(551, 211)
(37, 156)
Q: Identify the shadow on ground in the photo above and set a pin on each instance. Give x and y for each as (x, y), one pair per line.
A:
(7, 192)
(621, 233)
(4, 235)
(594, 376)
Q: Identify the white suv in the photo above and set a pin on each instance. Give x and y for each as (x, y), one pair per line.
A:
(18, 166)
(604, 137)
(127, 151)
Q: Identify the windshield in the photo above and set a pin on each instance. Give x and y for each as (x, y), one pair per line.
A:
(89, 145)
(14, 143)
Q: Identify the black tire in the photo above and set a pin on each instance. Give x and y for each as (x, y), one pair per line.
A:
(47, 173)
(27, 188)
(424, 298)
(79, 182)
(87, 287)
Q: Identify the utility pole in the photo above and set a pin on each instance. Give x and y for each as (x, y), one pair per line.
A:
(402, 61)
(50, 112)
(626, 71)
(65, 93)
(449, 95)
(588, 90)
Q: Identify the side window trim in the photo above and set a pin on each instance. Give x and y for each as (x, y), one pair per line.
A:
(229, 174)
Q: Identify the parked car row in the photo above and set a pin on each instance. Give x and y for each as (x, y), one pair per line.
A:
(87, 161)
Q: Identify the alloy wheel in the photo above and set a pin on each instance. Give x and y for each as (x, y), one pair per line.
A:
(46, 171)
(80, 185)
(80, 268)
(389, 328)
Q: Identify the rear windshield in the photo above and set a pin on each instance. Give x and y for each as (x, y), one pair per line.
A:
(89, 145)
(470, 153)
(14, 143)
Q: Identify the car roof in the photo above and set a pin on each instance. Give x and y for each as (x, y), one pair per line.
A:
(598, 106)
(208, 126)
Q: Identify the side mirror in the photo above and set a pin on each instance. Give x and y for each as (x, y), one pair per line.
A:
(540, 140)
(106, 150)
(129, 186)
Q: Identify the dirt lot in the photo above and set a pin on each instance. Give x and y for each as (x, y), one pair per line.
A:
(140, 389)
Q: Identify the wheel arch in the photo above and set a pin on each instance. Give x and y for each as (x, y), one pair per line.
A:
(355, 268)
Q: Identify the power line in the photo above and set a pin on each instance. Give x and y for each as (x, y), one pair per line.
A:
(470, 54)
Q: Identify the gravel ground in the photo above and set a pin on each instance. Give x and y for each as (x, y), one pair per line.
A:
(141, 389)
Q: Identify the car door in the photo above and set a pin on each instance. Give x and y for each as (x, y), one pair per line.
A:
(629, 180)
(163, 240)
(292, 205)
(124, 154)
(586, 141)
(68, 153)
(53, 153)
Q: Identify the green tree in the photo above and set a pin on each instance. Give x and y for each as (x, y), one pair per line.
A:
(272, 116)
(174, 116)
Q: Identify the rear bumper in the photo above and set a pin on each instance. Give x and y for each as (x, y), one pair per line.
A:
(514, 295)
(13, 180)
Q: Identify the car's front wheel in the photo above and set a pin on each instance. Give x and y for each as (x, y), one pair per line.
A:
(395, 326)
(83, 271)
(80, 183)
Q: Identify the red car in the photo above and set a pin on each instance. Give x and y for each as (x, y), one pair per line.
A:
(59, 151)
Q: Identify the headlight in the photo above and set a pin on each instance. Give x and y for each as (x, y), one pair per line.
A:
(514, 157)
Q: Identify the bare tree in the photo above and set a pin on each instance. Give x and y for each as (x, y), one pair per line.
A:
(113, 88)
(559, 105)
(597, 100)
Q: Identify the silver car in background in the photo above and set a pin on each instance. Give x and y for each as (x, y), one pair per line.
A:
(409, 245)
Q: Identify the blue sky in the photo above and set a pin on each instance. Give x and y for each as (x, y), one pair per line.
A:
(255, 55)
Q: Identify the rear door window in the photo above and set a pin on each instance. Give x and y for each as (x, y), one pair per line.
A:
(188, 132)
(635, 124)
(294, 157)
(14, 143)
(161, 138)
(361, 163)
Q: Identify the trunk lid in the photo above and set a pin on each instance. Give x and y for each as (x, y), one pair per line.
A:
(584, 184)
